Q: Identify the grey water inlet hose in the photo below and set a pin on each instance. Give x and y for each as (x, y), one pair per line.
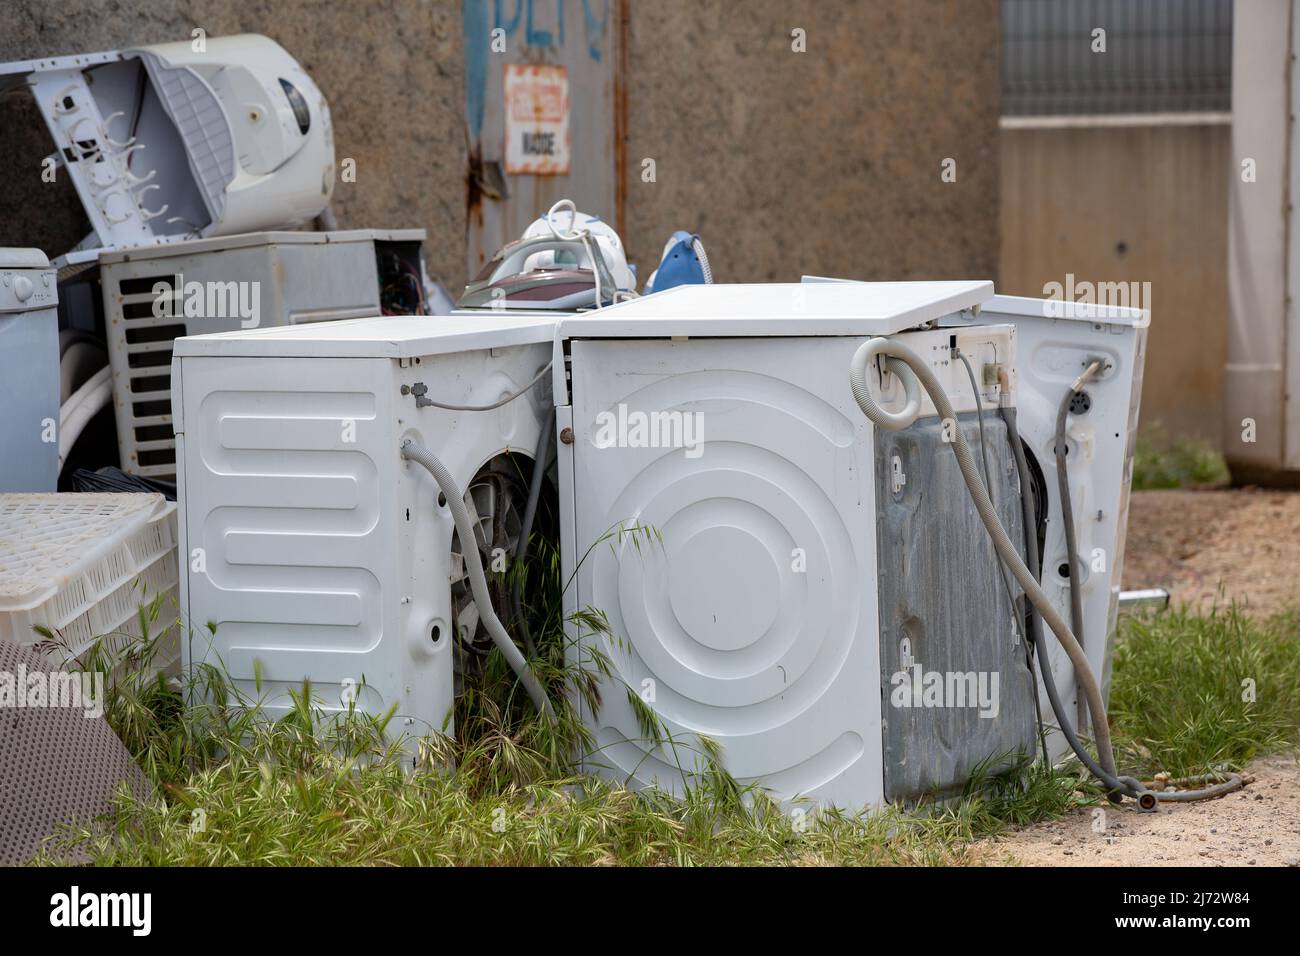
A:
(1067, 518)
(1036, 621)
(465, 522)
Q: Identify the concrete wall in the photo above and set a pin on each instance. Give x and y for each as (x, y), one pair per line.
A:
(827, 161)
(1132, 204)
(1263, 353)
(391, 70)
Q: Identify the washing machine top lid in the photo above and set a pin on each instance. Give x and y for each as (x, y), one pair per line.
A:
(18, 258)
(400, 336)
(760, 309)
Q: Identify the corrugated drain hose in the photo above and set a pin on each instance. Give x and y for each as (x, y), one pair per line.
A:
(900, 360)
(465, 523)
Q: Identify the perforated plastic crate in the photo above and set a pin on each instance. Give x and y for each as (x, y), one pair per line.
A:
(82, 565)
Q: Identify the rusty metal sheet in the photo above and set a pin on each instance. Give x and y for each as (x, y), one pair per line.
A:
(583, 37)
(944, 611)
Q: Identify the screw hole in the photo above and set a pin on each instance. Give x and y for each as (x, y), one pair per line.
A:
(1064, 569)
(435, 634)
(442, 500)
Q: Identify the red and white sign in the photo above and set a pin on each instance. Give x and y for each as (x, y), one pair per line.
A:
(537, 120)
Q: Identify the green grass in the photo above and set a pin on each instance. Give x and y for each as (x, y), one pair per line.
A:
(1181, 696)
(309, 790)
(1161, 461)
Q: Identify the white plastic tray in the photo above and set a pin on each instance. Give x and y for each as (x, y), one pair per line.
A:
(82, 565)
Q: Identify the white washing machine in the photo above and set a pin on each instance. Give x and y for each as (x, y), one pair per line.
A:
(310, 545)
(768, 563)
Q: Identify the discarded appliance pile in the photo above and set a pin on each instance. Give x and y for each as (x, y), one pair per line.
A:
(871, 501)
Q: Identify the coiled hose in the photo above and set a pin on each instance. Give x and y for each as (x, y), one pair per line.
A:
(915, 373)
(465, 523)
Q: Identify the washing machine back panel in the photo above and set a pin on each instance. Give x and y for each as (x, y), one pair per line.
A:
(958, 693)
(745, 615)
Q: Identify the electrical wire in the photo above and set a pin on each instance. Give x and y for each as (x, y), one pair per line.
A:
(582, 234)
(1017, 621)
(423, 401)
(1060, 449)
(703, 256)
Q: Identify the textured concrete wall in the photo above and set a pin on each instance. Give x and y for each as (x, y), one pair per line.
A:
(1132, 204)
(391, 70)
(826, 161)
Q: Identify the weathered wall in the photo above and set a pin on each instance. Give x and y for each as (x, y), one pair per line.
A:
(826, 161)
(391, 70)
(1132, 204)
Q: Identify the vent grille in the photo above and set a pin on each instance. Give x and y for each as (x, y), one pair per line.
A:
(146, 444)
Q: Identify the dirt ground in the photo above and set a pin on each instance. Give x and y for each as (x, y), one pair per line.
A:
(1194, 543)
(1191, 542)
(1258, 825)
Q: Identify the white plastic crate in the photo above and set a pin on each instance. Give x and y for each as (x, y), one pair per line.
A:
(82, 565)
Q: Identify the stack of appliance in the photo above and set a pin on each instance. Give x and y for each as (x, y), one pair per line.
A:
(178, 152)
(182, 156)
(804, 558)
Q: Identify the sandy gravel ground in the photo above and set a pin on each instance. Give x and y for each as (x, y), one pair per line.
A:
(1256, 826)
(1194, 543)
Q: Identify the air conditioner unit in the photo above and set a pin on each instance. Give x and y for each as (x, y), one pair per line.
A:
(810, 577)
(311, 545)
(154, 295)
(206, 137)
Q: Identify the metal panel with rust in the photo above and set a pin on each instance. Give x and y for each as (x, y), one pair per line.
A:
(582, 37)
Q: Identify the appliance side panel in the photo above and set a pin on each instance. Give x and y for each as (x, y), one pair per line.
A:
(292, 492)
(954, 678)
(29, 395)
